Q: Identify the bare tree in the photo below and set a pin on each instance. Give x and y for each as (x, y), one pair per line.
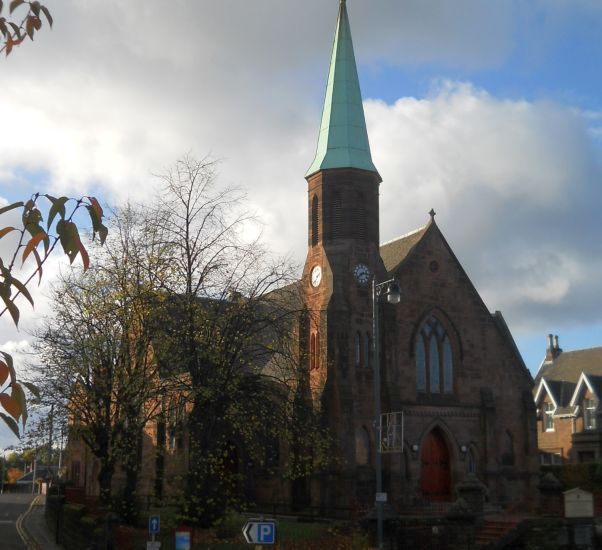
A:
(236, 311)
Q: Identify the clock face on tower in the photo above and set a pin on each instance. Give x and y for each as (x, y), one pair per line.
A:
(361, 272)
(316, 275)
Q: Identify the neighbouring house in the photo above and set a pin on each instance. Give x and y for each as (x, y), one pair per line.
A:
(37, 479)
(448, 363)
(567, 396)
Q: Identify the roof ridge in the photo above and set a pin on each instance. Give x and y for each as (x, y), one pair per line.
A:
(581, 349)
(405, 235)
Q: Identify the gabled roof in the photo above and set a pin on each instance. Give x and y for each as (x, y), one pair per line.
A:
(593, 383)
(343, 140)
(569, 365)
(561, 393)
(394, 252)
(544, 387)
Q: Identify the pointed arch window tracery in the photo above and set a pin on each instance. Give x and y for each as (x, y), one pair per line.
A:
(434, 358)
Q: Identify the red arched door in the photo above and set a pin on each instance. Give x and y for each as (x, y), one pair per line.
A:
(434, 459)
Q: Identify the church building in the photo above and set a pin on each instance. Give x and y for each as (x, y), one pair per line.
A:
(455, 393)
(446, 362)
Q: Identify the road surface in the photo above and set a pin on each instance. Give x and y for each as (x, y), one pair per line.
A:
(11, 507)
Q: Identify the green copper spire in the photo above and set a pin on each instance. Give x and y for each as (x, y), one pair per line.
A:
(343, 140)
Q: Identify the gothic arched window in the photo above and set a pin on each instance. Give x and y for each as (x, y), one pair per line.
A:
(435, 385)
(434, 358)
(471, 462)
(314, 221)
(420, 363)
(367, 350)
(358, 349)
(448, 371)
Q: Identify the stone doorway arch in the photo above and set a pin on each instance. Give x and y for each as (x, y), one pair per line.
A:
(435, 476)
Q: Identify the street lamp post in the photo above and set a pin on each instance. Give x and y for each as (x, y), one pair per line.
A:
(393, 295)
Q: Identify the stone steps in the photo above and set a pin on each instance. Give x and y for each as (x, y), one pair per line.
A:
(492, 531)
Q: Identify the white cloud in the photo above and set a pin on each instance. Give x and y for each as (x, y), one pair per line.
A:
(516, 187)
(118, 90)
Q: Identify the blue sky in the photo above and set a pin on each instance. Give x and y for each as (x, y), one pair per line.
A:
(488, 111)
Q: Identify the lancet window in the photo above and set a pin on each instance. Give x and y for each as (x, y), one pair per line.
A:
(434, 358)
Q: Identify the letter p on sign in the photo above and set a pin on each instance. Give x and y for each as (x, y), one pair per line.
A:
(266, 532)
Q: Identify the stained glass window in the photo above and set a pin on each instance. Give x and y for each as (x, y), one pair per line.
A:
(434, 358)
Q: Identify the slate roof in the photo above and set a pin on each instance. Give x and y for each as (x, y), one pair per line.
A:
(569, 365)
(396, 251)
(562, 393)
(42, 472)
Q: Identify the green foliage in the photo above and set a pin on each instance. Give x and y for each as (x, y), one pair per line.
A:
(229, 526)
(95, 359)
(183, 310)
(586, 476)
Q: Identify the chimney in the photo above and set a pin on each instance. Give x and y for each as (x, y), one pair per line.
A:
(553, 350)
(557, 348)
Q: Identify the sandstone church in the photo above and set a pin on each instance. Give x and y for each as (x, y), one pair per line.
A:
(447, 363)
(448, 366)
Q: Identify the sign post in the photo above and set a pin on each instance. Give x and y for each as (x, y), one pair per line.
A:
(260, 531)
(154, 527)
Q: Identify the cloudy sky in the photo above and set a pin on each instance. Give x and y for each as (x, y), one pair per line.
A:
(488, 111)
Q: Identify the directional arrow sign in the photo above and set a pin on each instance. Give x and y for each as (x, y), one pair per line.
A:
(154, 524)
(260, 531)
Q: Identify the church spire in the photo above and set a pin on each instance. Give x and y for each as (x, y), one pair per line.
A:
(343, 139)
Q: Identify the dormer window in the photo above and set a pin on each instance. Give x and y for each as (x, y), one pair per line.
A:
(548, 417)
(589, 414)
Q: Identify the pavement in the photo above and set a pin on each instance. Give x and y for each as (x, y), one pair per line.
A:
(33, 529)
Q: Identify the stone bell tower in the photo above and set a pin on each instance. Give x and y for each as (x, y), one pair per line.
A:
(343, 253)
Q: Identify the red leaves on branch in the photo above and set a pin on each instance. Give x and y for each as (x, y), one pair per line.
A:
(13, 34)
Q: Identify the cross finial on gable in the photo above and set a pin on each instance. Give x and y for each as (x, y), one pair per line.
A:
(432, 213)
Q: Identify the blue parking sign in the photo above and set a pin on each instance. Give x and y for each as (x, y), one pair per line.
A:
(260, 531)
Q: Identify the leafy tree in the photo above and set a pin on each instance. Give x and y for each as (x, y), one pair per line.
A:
(13, 474)
(94, 353)
(186, 322)
(30, 235)
(30, 16)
